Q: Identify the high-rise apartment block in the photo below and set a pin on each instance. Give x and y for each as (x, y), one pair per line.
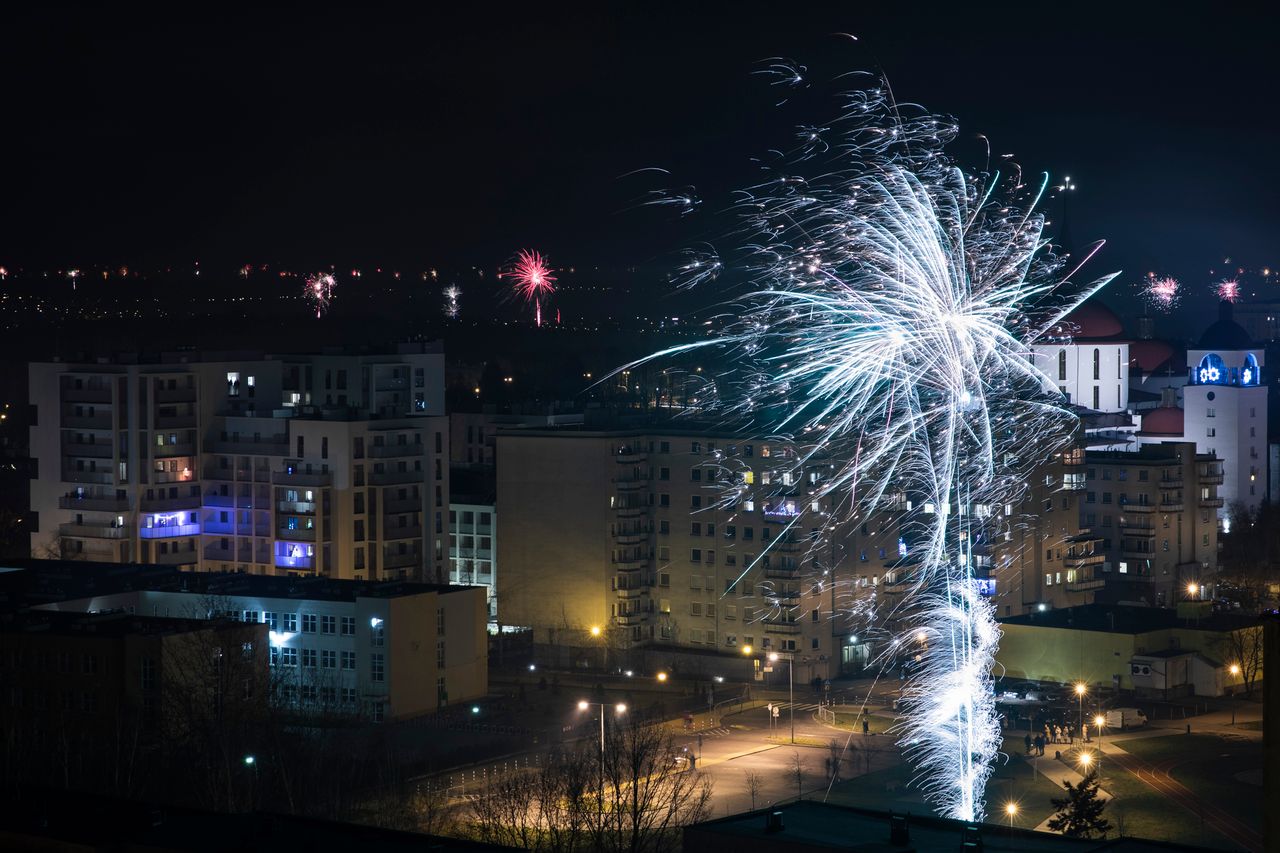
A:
(332, 464)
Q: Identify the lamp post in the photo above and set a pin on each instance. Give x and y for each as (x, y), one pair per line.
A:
(791, 686)
(1011, 809)
(621, 709)
(1098, 722)
(1086, 761)
(1081, 689)
(1235, 671)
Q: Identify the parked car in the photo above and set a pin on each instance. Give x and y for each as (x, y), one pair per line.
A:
(1126, 718)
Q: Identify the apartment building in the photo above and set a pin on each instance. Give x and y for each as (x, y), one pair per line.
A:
(629, 539)
(473, 530)
(332, 464)
(1156, 511)
(383, 651)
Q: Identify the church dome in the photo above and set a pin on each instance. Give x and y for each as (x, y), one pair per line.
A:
(1226, 334)
(1164, 421)
(1151, 355)
(1091, 321)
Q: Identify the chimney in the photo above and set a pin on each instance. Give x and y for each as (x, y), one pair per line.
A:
(1146, 328)
(773, 821)
(1169, 397)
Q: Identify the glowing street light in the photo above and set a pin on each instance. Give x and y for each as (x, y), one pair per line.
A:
(1011, 809)
(1193, 589)
(1085, 760)
(595, 630)
(662, 676)
(1098, 722)
(620, 709)
(1235, 671)
(1081, 689)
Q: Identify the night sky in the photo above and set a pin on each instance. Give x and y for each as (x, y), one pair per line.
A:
(457, 136)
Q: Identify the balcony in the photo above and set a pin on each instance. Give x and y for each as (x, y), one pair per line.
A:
(176, 395)
(213, 552)
(631, 565)
(219, 528)
(170, 531)
(1210, 503)
(98, 478)
(87, 450)
(1170, 482)
(392, 478)
(167, 451)
(1079, 561)
(93, 531)
(410, 532)
(1171, 505)
(781, 627)
(1137, 530)
(175, 558)
(1137, 507)
(626, 620)
(297, 507)
(1136, 554)
(630, 538)
(71, 394)
(219, 500)
(297, 535)
(628, 456)
(249, 447)
(631, 594)
(165, 504)
(401, 561)
(1213, 479)
(395, 451)
(392, 507)
(1086, 585)
(175, 421)
(301, 562)
(90, 502)
(781, 573)
(100, 420)
(284, 478)
(630, 485)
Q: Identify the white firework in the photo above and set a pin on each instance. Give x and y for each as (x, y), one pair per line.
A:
(886, 332)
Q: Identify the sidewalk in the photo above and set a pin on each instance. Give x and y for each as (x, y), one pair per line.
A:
(1057, 772)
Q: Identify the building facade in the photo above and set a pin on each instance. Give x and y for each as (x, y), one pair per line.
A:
(326, 464)
(382, 651)
(1090, 365)
(473, 532)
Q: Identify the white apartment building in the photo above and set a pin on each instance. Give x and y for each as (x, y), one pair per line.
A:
(473, 533)
(333, 464)
(382, 651)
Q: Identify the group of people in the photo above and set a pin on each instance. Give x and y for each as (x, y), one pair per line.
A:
(1052, 734)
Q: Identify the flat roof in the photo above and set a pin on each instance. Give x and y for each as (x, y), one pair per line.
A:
(47, 581)
(111, 623)
(1128, 619)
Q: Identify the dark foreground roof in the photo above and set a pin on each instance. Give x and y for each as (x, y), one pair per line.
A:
(1130, 619)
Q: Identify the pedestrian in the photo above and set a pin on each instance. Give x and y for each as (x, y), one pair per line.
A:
(1048, 733)
(1057, 734)
(1027, 740)
(866, 726)
(1039, 744)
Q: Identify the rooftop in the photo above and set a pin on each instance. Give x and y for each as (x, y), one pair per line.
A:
(1128, 619)
(1226, 333)
(108, 624)
(32, 582)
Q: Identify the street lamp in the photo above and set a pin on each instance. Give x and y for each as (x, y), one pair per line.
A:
(1098, 722)
(1086, 761)
(1192, 589)
(662, 676)
(620, 709)
(1081, 689)
(1235, 671)
(1011, 809)
(791, 686)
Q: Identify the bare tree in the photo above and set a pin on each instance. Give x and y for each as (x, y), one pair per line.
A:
(1249, 565)
(1243, 648)
(797, 769)
(754, 783)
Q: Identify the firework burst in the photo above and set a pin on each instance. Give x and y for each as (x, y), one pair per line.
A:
(1228, 290)
(532, 280)
(1162, 292)
(318, 291)
(885, 334)
(452, 294)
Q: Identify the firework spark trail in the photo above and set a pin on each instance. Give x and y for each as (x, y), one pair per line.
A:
(886, 333)
(1228, 290)
(452, 294)
(318, 290)
(533, 280)
(1161, 292)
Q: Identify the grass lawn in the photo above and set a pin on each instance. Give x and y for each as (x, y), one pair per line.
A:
(1207, 764)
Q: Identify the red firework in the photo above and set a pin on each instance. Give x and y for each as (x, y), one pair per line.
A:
(533, 279)
(1228, 289)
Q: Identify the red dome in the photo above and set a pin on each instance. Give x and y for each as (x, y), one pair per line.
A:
(1092, 321)
(1166, 420)
(1149, 356)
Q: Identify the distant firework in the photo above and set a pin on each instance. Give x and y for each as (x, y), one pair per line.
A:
(533, 280)
(451, 296)
(1228, 290)
(1161, 291)
(319, 291)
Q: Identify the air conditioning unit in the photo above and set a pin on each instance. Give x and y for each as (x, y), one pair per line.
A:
(1139, 669)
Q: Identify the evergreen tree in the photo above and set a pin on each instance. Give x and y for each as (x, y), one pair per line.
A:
(1079, 813)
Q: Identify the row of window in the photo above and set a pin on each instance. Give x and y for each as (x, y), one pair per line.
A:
(286, 656)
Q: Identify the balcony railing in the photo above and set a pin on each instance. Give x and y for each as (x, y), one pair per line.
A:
(1086, 585)
(167, 451)
(88, 450)
(95, 421)
(1137, 507)
(176, 558)
(183, 502)
(1213, 479)
(102, 503)
(248, 447)
(299, 534)
(1079, 561)
(389, 478)
(631, 565)
(99, 478)
(630, 538)
(1210, 503)
(175, 395)
(220, 500)
(169, 531)
(398, 506)
(175, 421)
(1171, 506)
(395, 451)
(782, 627)
(1136, 554)
(297, 507)
(411, 532)
(71, 394)
(400, 561)
(1137, 530)
(298, 478)
(781, 573)
(93, 531)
